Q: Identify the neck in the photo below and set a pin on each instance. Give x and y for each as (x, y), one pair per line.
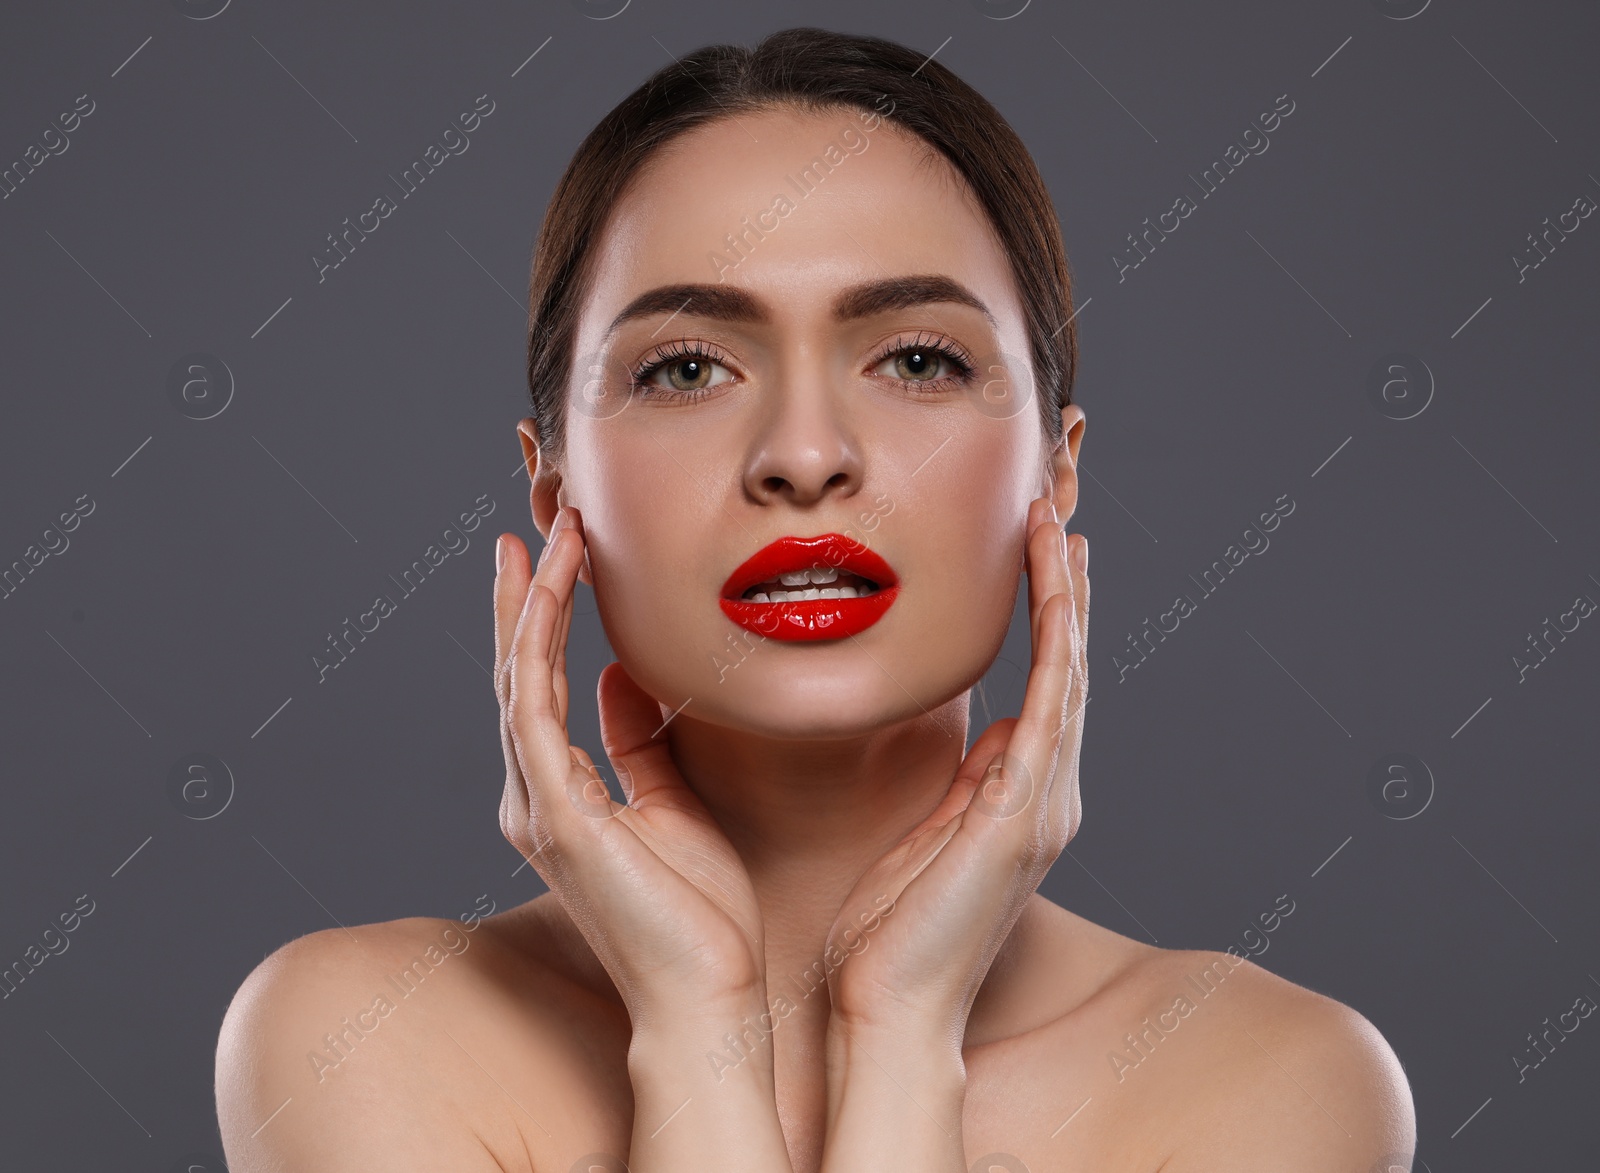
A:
(808, 818)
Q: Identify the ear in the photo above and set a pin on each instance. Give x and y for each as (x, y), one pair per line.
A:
(547, 492)
(1064, 461)
(545, 496)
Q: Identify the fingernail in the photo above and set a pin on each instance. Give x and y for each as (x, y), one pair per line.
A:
(1053, 516)
(1081, 556)
(500, 553)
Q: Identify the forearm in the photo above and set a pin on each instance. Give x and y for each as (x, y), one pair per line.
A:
(697, 1099)
(895, 1099)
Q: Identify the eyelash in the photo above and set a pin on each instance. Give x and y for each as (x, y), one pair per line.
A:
(937, 344)
(673, 352)
(945, 348)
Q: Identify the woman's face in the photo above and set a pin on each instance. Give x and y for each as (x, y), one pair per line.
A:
(800, 324)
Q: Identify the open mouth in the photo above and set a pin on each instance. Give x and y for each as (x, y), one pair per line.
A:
(827, 587)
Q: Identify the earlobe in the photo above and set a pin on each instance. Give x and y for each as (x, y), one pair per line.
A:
(1064, 460)
(544, 482)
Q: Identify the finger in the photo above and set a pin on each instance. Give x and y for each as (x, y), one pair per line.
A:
(635, 740)
(510, 593)
(1047, 574)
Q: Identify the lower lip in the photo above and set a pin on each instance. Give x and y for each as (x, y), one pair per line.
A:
(812, 619)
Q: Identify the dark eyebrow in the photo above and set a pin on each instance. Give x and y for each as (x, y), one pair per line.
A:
(723, 302)
(898, 293)
(730, 304)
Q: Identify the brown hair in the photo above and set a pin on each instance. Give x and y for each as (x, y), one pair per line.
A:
(813, 69)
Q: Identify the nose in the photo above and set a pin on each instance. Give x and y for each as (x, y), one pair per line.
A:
(805, 450)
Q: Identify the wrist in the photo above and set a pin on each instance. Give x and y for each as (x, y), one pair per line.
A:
(709, 1040)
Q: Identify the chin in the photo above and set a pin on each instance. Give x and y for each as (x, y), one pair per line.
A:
(813, 697)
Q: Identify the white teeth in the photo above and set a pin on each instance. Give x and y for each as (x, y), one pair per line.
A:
(821, 574)
(801, 596)
(798, 578)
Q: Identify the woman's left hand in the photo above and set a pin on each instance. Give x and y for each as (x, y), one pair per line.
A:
(960, 879)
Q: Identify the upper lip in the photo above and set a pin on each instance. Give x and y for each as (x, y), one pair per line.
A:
(790, 554)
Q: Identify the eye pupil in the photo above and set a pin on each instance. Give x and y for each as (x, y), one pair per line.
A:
(916, 364)
(688, 374)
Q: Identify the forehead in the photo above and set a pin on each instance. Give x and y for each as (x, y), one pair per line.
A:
(792, 206)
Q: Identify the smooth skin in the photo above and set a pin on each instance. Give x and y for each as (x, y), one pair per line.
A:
(804, 837)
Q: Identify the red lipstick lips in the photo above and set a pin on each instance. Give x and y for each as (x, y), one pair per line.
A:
(826, 587)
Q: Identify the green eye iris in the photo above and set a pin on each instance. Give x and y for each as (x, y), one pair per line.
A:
(916, 365)
(688, 374)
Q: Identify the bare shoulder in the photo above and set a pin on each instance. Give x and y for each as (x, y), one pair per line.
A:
(1293, 1079)
(395, 1046)
(1180, 1060)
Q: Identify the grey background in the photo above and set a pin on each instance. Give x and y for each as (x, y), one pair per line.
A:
(369, 410)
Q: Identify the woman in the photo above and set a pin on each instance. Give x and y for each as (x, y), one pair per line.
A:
(801, 357)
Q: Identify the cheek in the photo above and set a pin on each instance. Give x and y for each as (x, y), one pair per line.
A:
(646, 527)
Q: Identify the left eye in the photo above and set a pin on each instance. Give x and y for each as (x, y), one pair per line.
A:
(916, 364)
(688, 374)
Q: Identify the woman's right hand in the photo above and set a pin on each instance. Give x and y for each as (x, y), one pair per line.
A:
(655, 887)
